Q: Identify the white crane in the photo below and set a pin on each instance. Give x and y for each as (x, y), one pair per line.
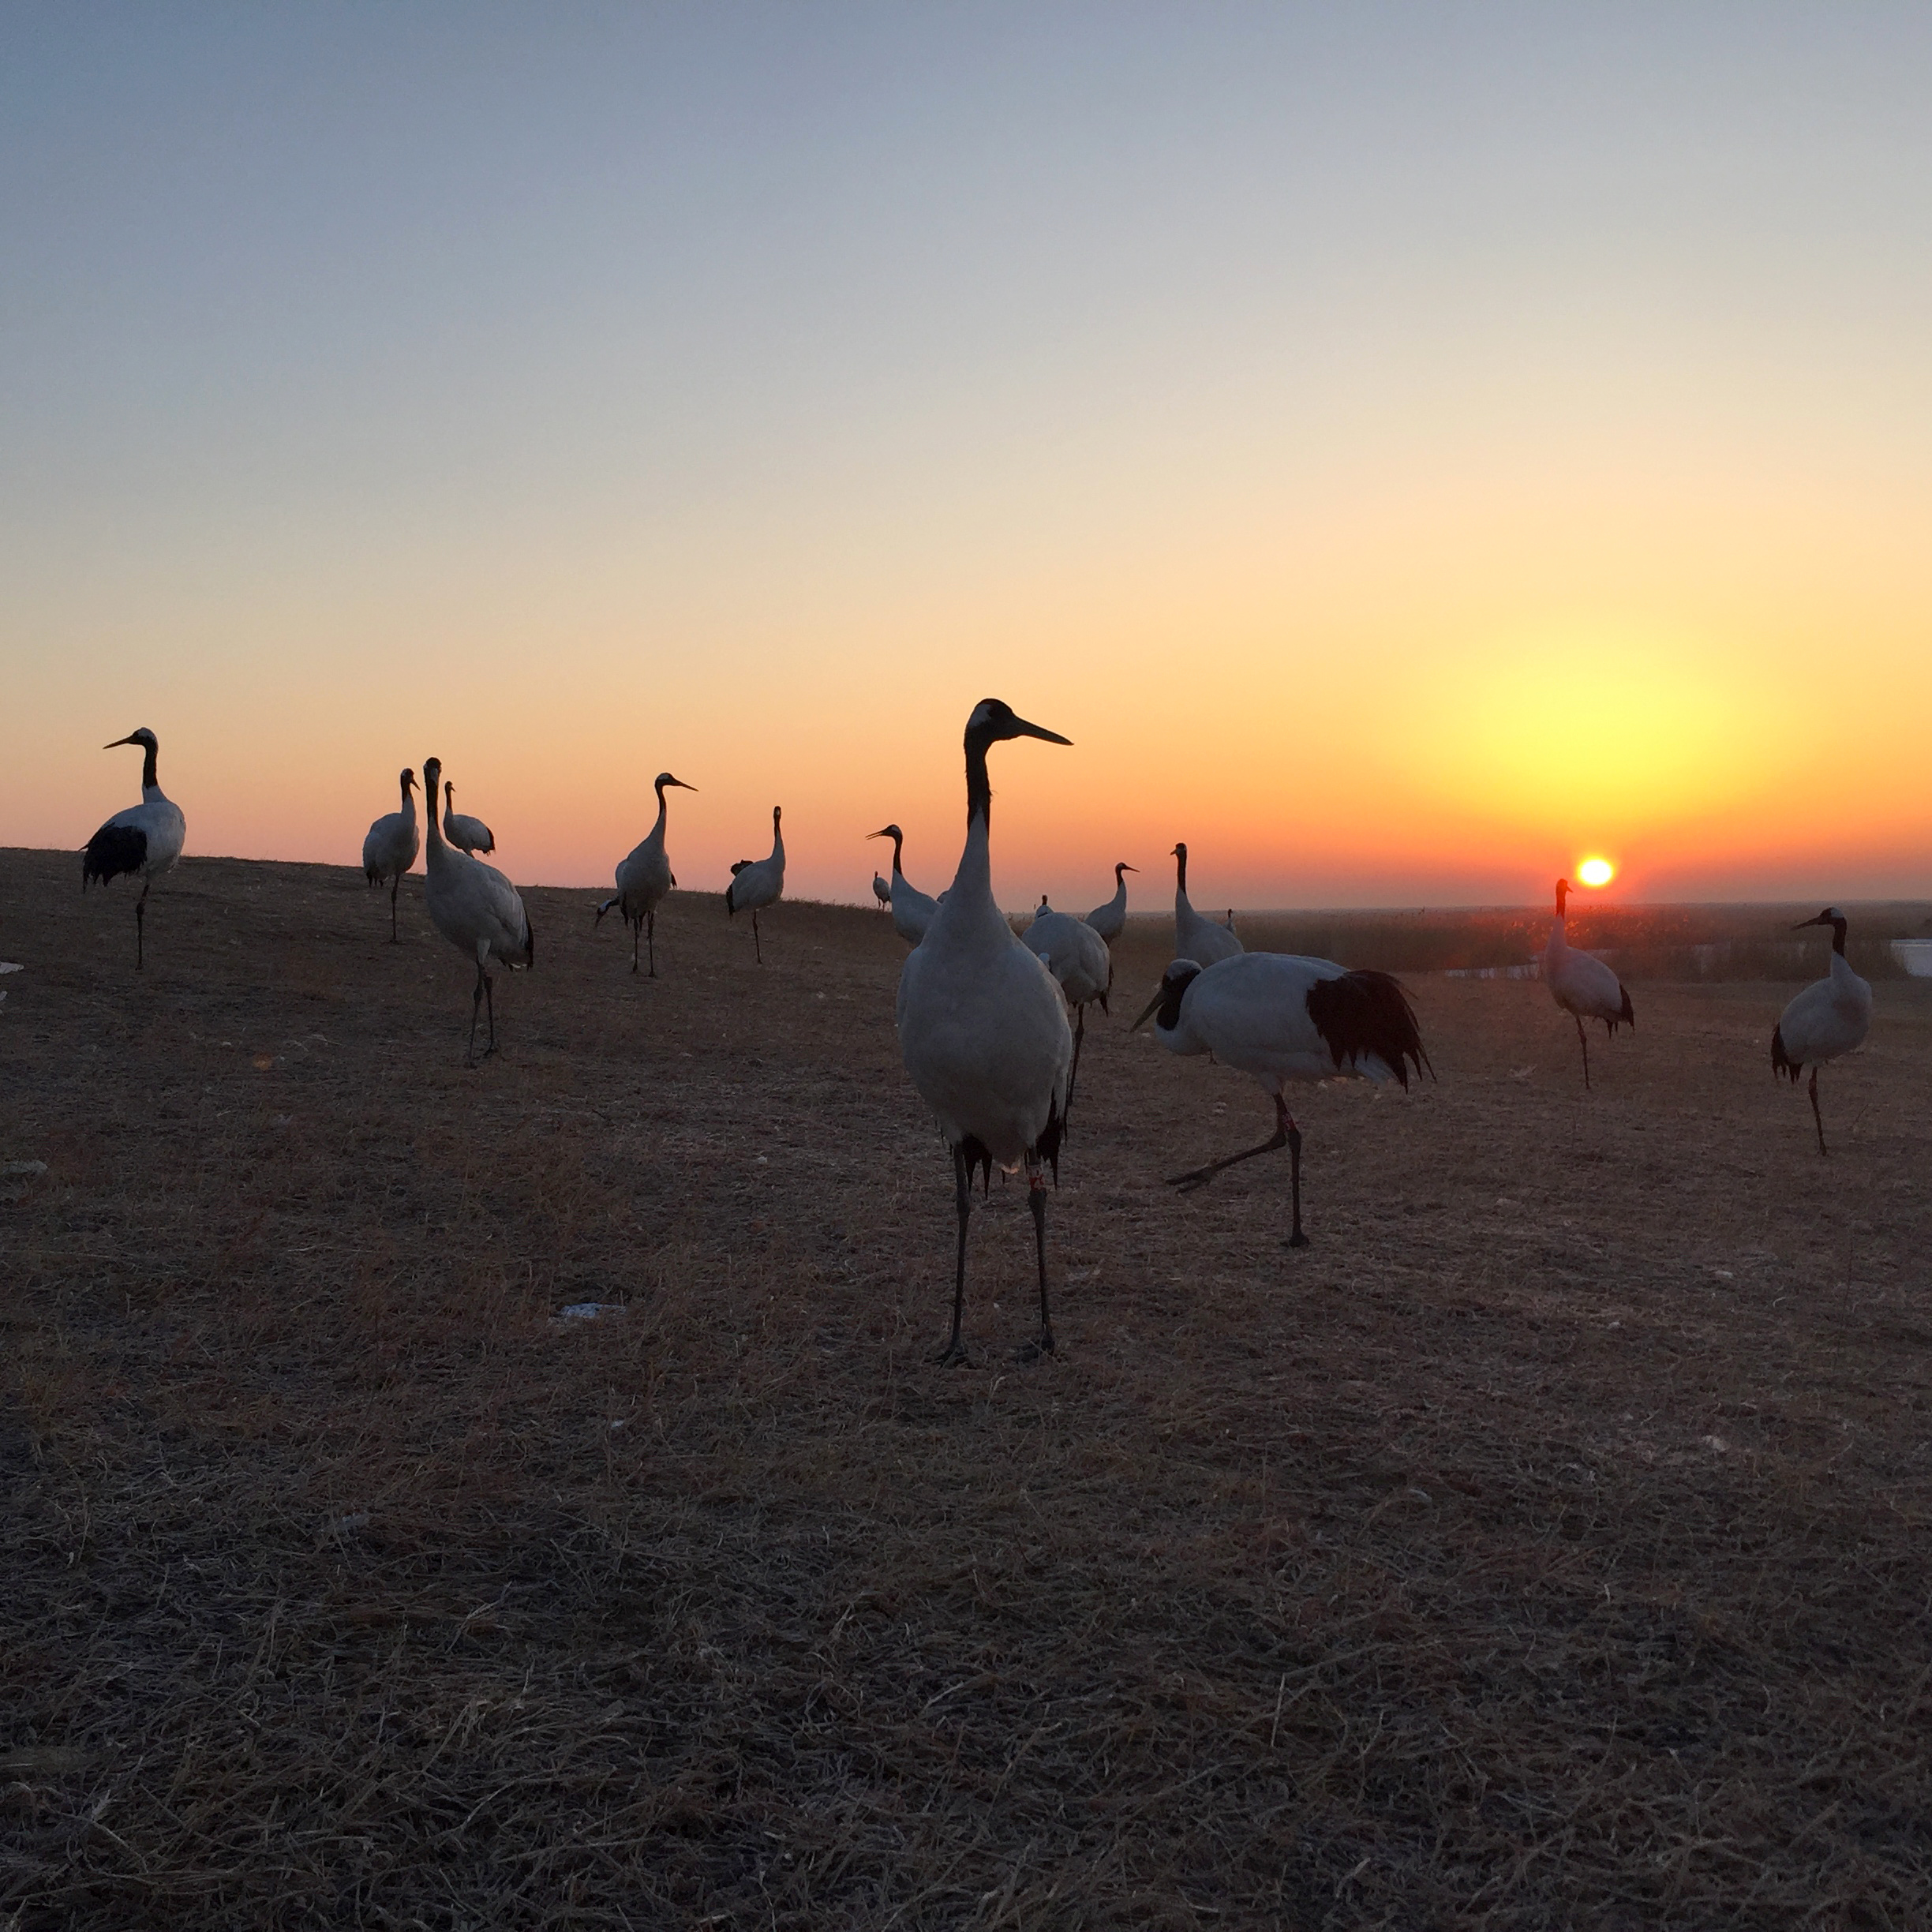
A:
(390, 848)
(465, 833)
(912, 910)
(981, 1026)
(644, 878)
(1196, 937)
(881, 891)
(757, 882)
(477, 910)
(1582, 985)
(145, 838)
(1078, 958)
(1831, 1016)
(1281, 1017)
(1110, 921)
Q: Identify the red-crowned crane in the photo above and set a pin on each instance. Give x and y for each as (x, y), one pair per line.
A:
(644, 878)
(145, 838)
(881, 891)
(912, 910)
(1280, 1017)
(983, 1028)
(478, 911)
(467, 834)
(1830, 1017)
(1078, 959)
(1196, 937)
(757, 882)
(390, 848)
(1110, 921)
(1582, 985)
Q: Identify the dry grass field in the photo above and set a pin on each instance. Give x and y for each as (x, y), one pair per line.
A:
(1546, 1546)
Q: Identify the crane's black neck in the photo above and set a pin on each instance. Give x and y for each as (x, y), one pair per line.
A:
(897, 837)
(403, 783)
(978, 786)
(1181, 868)
(1838, 933)
(149, 781)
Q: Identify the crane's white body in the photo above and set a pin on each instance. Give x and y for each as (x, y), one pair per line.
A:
(1581, 984)
(145, 838)
(1074, 953)
(1110, 921)
(644, 877)
(1196, 937)
(390, 846)
(912, 910)
(881, 891)
(475, 908)
(758, 882)
(467, 834)
(1828, 1019)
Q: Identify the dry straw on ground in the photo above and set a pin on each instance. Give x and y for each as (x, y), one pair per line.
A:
(1545, 1546)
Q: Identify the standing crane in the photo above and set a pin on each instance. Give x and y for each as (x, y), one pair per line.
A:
(1110, 921)
(1078, 958)
(912, 910)
(1582, 985)
(467, 834)
(145, 838)
(983, 1028)
(390, 848)
(881, 891)
(757, 882)
(478, 911)
(1280, 1017)
(644, 878)
(1830, 1017)
(1196, 937)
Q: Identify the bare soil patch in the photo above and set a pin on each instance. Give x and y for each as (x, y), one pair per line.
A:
(1546, 1545)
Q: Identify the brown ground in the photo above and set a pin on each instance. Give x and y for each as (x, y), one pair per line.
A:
(1545, 1546)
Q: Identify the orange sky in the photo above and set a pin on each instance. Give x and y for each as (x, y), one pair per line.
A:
(1401, 468)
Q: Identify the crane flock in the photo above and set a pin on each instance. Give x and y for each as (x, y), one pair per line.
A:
(982, 1012)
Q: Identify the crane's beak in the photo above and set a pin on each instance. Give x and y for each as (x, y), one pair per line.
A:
(681, 785)
(1153, 1007)
(112, 742)
(872, 835)
(1022, 729)
(1126, 867)
(1821, 920)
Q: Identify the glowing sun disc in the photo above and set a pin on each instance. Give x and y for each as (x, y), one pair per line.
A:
(1595, 871)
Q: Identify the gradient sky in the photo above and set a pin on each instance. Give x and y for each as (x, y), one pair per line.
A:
(1404, 448)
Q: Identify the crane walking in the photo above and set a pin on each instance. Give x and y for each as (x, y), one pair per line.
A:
(757, 882)
(1196, 937)
(390, 848)
(644, 878)
(1582, 985)
(912, 910)
(145, 838)
(1280, 1017)
(478, 911)
(1829, 1018)
(983, 1028)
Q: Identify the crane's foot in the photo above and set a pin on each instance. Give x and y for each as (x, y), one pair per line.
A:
(1035, 1351)
(1298, 1239)
(952, 1356)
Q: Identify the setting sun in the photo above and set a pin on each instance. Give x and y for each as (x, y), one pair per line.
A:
(1595, 871)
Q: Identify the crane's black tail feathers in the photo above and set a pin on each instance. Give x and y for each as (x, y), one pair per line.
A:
(1781, 1061)
(114, 850)
(1364, 1014)
(530, 942)
(975, 1156)
(1627, 1017)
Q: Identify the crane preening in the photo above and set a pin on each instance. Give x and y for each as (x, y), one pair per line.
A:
(1830, 1017)
(1110, 921)
(757, 882)
(1582, 985)
(1197, 938)
(644, 878)
(912, 910)
(467, 834)
(1078, 959)
(478, 911)
(983, 1028)
(390, 848)
(145, 838)
(1279, 1017)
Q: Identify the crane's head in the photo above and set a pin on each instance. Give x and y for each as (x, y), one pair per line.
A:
(145, 738)
(1166, 1001)
(992, 719)
(1121, 866)
(449, 791)
(409, 779)
(1563, 892)
(433, 776)
(1180, 852)
(664, 778)
(778, 813)
(891, 831)
(1830, 916)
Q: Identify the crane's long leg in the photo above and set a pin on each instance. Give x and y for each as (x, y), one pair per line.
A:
(476, 1002)
(1296, 1238)
(1080, 1033)
(489, 1002)
(650, 942)
(755, 947)
(636, 927)
(395, 885)
(1583, 1040)
(1815, 1114)
(962, 1197)
(141, 926)
(1036, 1200)
(1200, 1177)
